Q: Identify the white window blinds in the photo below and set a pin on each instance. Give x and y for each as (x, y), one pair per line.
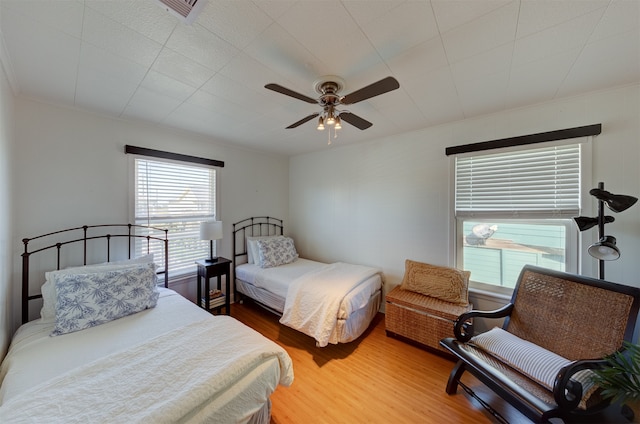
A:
(533, 181)
(178, 197)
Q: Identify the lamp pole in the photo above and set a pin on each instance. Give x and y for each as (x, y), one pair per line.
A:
(600, 230)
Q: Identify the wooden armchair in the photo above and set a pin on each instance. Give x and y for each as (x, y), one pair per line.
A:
(553, 315)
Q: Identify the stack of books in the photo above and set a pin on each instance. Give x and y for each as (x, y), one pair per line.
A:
(216, 299)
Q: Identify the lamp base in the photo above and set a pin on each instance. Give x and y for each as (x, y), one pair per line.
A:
(211, 258)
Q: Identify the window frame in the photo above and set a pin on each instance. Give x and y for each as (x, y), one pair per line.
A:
(203, 245)
(573, 242)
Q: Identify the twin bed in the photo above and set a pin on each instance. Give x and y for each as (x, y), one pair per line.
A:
(151, 356)
(110, 345)
(334, 303)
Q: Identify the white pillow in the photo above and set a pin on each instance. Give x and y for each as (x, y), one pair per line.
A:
(88, 300)
(252, 247)
(276, 251)
(539, 364)
(48, 289)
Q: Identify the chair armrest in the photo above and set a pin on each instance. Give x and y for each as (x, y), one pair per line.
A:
(567, 392)
(463, 327)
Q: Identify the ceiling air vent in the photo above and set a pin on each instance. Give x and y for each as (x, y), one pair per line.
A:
(185, 10)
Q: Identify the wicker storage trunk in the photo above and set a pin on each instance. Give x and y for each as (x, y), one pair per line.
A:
(421, 319)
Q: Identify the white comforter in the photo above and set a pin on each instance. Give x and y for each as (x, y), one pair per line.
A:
(205, 368)
(313, 300)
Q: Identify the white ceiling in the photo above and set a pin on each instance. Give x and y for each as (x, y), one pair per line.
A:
(454, 59)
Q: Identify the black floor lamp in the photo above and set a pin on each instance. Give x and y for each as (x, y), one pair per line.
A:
(605, 248)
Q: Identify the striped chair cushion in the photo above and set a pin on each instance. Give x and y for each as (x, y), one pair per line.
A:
(539, 364)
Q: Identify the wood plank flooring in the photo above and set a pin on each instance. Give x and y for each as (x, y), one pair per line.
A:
(375, 379)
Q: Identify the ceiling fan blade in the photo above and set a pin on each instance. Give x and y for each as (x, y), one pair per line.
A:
(355, 120)
(303, 120)
(383, 86)
(283, 90)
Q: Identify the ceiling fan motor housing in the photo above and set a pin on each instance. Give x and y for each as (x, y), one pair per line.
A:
(328, 87)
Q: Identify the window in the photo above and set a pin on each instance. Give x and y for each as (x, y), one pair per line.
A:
(176, 196)
(513, 208)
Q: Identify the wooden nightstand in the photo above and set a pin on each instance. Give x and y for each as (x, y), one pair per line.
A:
(207, 270)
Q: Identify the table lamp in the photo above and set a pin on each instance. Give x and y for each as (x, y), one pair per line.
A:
(211, 230)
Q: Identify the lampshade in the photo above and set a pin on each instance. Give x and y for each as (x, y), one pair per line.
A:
(584, 223)
(211, 230)
(605, 249)
(615, 202)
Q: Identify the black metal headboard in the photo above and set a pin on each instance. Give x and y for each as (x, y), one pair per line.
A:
(253, 227)
(113, 231)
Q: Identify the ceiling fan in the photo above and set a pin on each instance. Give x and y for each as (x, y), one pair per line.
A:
(329, 88)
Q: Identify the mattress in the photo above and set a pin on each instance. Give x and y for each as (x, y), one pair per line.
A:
(35, 358)
(270, 285)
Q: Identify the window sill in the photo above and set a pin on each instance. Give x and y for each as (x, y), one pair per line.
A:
(489, 295)
(180, 278)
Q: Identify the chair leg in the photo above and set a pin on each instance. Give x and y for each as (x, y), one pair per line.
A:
(454, 378)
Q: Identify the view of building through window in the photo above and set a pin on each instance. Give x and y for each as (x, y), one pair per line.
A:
(495, 251)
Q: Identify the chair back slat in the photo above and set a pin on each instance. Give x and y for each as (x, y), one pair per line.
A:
(578, 318)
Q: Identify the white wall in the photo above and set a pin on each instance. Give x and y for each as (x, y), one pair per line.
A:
(375, 203)
(388, 200)
(6, 229)
(71, 170)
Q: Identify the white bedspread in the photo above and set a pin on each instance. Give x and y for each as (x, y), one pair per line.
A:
(169, 378)
(313, 300)
(277, 279)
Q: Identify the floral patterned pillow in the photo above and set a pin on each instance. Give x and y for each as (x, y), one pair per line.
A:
(276, 251)
(252, 247)
(48, 290)
(88, 300)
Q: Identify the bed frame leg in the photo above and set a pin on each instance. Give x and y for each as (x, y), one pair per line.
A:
(454, 377)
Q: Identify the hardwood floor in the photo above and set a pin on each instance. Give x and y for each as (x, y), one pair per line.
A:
(375, 379)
